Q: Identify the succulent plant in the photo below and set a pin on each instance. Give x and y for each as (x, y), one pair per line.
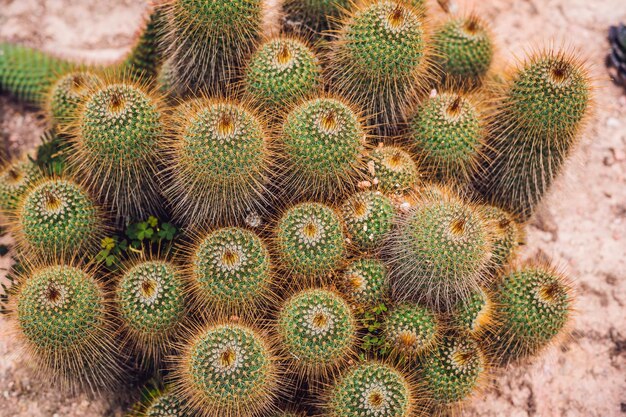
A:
(508, 236)
(364, 281)
(15, 179)
(66, 96)
(368, 216)
(411, 331)
(313, 17)
(392, 169)
(146, 55)
(475, 314)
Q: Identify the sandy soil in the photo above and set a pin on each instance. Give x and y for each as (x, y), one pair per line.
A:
(582, 224)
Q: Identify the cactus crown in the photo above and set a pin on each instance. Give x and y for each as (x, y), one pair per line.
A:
(411, 330)
(475, 314)
(365, 281)
(68, 94)
(508, 236)
(15, 179)
(392, 169)
(368, 216)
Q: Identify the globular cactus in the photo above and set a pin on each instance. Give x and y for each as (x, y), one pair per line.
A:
(63, 317)
(323, 141)
(207, 42)
(439, 249)
(66, 96)
(15, 179)
(372, 389)
(162, 404)
(454, 372)
(281, 72)
(58, 218)
(475, 314)
(368, 216)
(227, 369)
(116, 148)
(149, 298)
(364, 281)
(317, 330)
(543, 106)
(146, 55)
(313, 17)
(447, 134)
(219, 148)
(230, 271)
(411, 331)
(463, 49)
(392, 169)
(28, 74)
(379, 58)
(309, 240)
(533, 305)
(507, 237)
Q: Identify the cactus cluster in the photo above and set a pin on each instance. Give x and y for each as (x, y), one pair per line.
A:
(289, 224)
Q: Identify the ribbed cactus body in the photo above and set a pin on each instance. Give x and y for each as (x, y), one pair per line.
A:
(476, 313)
(66, 96)
(312, 17)
(146, 55)
(15, 179)
(411, 331)
(392, 169)
(166, 404)
(365, 281)
(368, 217)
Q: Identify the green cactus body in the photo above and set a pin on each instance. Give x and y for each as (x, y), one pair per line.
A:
(208, 41)
(543, 108)
(150, 300)
(323, 141)
(368, 216)
(508, 236)
(475, 314)
(227, 369)
(63, 318)
(379, 58)
(463, 49)
(392, 169)
(455, 371)
(230, 270)
(309, 240)
(447, 135)
(438, 251)
(314, 16)
(281, 72)
(28, 74)
(116, 147)
(58, 218)
(219, 163)
(67, 95)
(534, 304)
(15, 179)
(317, 330)
(371, 389)
(166, 404)
(411, 331)
(145, 57)
(365, 281)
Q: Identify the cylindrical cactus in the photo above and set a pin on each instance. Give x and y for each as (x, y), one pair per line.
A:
(411, 331)
(368, 216)
(392, 169)
(364, 281)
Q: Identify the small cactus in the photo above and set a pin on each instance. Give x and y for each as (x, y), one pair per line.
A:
(313, 17)
(165, 404)
(15, 179)
(365, 281)
(507, 238)
(392, 169)
(368, 216)
(411, 331)
(475, 314)
(67, 95)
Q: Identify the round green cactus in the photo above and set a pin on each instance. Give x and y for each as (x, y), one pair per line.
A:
(68, 94)
(15, 179)
(508, 236)
(411, 331)
(309, 240)
(371, 389)
(447, 134)
(282, 71)
(150, 300)
(534, 304)
(463, 49)
(392, 169)
(207, 42)
(63, 317)
(439, 250)
(166, 404)
(227, 369)
(368, 216)
(379, 57)
(454, 371)
(218, 162)
(116, 147)
(365, 281)
(475, 314)
(317, 330)
(323, 142)
(230, 269)
(314, 16)
(58, 218)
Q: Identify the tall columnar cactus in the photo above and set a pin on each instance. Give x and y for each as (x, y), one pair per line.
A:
(313, 17)
(57, 218)
(15, 179)
(323, 141)
(439, 250)
(116, 148)
(317, 330)
(227, 369)
(149, 297)
(543, 107)
(207, 42)
(411, 331)
(368, 216)
(392, 169)
(230, 271)
(364, 281)
(218, 162)
(379, 58)
(63, 317)
(463, 49)
(67, 95)
(371, 389)
(309, 240)
(533, 306)
(281, 72)
(447, 135)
